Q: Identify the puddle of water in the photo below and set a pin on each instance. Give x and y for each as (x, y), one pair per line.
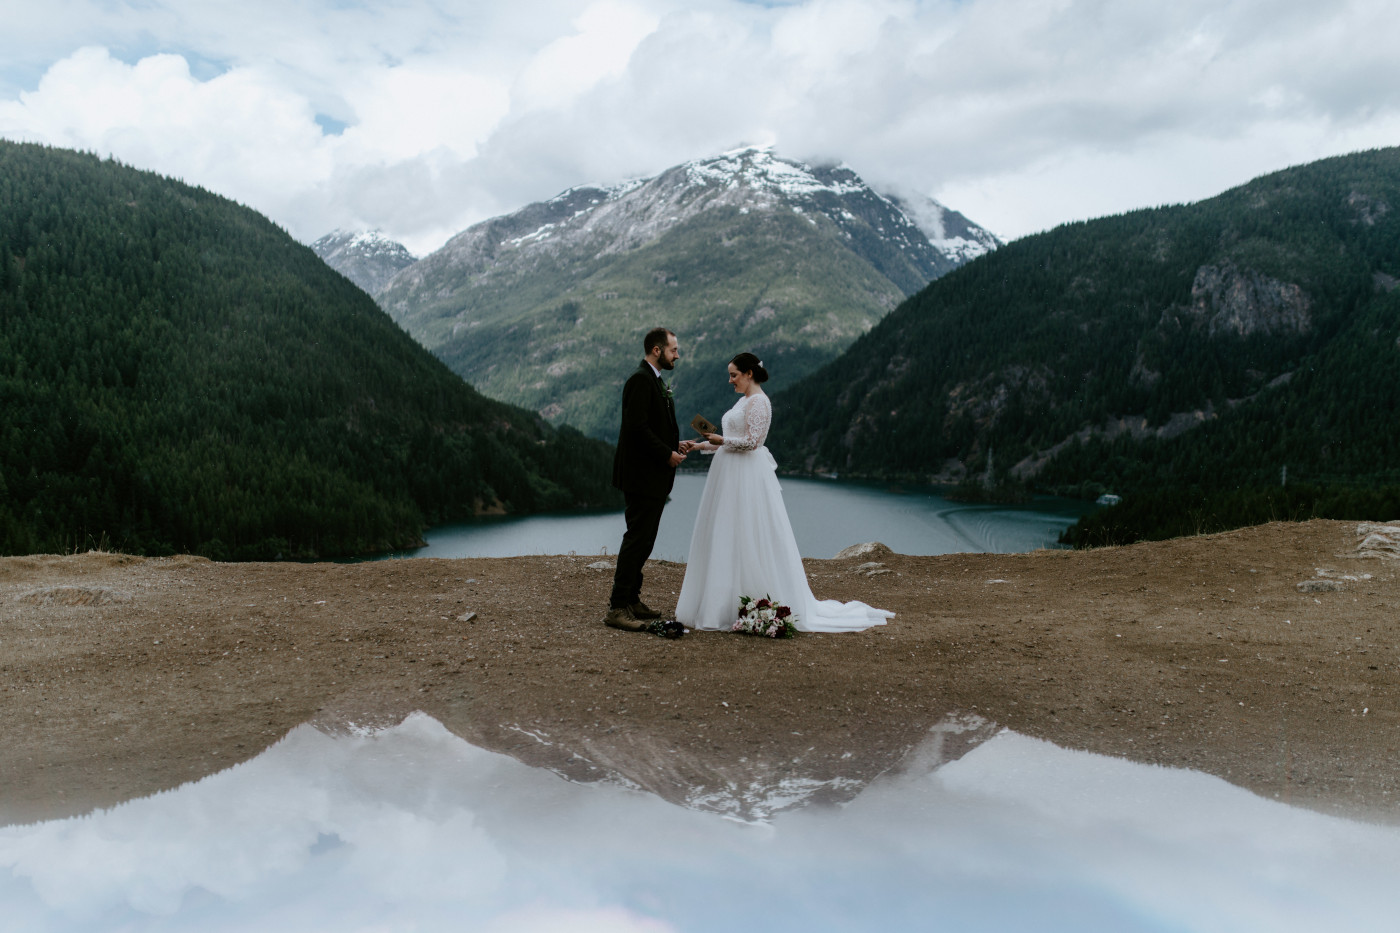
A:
(413, 828)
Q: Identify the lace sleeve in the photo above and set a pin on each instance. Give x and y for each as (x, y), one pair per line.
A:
(758, 415)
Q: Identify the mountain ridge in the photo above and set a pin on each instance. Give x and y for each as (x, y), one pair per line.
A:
(1209, 344)
(744, 251)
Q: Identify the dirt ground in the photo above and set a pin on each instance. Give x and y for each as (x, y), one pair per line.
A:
(121, 676)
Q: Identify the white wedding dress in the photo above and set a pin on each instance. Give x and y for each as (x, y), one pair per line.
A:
(743, 543)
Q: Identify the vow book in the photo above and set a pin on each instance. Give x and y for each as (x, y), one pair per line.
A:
(702, 426)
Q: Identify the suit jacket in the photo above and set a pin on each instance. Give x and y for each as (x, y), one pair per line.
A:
(648, 437)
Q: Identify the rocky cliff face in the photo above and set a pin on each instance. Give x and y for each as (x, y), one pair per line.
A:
(367, 259)
(1230, 300)
(745, 251)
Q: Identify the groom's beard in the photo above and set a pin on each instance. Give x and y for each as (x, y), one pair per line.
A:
(664, 363)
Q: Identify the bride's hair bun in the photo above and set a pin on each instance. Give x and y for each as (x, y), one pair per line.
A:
(748, 363)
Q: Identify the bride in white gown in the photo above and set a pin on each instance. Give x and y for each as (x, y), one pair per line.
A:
(743, 543)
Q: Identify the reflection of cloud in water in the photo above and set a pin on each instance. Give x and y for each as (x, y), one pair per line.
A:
(414, 828)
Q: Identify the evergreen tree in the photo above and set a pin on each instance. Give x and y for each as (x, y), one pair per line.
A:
(178, 375)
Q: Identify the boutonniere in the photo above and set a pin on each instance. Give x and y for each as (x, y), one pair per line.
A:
(666, 390)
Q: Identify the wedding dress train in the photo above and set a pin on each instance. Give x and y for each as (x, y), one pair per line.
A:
(743, 543)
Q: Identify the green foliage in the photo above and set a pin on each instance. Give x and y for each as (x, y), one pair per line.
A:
(1083, 354)
(1192, 510)
(177, 374)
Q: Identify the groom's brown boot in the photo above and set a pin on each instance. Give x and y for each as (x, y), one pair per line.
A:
(641, 610)
(621, 617)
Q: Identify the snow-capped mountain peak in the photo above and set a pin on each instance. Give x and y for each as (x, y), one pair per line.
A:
(930, 239)
(758, 167)
(368, 257)
(744, 248)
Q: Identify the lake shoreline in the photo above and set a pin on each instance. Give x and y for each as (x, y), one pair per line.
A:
(124, 676)
(826, 516)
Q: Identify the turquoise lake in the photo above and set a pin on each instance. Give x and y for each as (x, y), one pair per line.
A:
(827, 515)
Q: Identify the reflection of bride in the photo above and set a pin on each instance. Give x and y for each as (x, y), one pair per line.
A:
(743, 543)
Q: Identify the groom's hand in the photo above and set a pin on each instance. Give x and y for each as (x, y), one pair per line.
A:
(677, 458)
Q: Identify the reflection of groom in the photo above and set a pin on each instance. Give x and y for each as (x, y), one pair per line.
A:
(648, 451)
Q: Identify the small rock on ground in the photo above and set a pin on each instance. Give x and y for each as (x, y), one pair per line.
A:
(868, 549)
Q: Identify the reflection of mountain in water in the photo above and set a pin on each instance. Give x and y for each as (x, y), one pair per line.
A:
(411, 827)
(752, 789)
(763, 792)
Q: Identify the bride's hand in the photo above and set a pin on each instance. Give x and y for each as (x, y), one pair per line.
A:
(716, 439)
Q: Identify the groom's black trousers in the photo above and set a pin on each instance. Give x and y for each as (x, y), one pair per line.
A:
(643, 516)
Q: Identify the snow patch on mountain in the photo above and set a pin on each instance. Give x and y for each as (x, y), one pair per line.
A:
(950, 232)
(364, 243)
(601, 193)
(538, 234)
(366, 257)
(762, 169)
(618, 218)
(962, 249)
(910, 240)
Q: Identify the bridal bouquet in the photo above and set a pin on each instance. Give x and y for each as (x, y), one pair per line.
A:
(765, 617)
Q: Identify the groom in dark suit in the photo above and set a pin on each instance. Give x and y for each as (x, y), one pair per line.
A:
(649, 449)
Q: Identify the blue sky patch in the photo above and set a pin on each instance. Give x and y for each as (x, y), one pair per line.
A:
(329, 125)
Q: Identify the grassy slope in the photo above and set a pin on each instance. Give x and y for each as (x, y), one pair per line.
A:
(778, 285)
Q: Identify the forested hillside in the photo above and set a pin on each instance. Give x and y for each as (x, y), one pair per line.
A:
(178, 374)
(1183, 354)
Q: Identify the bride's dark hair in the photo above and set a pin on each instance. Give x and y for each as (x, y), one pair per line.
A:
(748, 363)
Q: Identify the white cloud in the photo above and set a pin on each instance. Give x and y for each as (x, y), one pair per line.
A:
(823, 33)
(1021, 113)
(607, 34)
(231, 133)
(248, 136)
(403, 112)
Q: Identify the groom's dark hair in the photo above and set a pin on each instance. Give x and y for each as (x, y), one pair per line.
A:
(656, 337)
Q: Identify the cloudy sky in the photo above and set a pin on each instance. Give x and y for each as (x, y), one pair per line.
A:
(421, 117)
